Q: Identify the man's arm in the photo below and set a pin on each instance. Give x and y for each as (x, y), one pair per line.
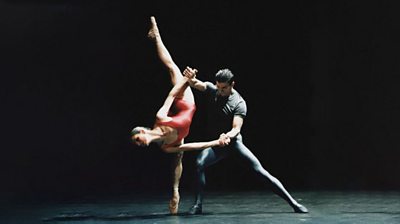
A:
(237, 124)
(192, 80)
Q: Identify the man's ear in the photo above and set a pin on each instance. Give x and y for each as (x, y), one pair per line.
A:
(233, 83)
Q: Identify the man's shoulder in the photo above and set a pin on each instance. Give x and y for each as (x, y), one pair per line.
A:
(238, 96)
(209, 84)
(210, 87)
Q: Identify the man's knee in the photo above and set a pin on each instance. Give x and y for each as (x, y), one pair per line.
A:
(257, 167)
(200, 164)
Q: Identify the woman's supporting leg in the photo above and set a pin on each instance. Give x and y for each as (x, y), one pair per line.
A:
(177, 174)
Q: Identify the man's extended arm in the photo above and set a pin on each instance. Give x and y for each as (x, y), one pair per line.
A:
(237, 124)
(192, 80)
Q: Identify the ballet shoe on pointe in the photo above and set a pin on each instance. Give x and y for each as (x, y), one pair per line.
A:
(174, 205)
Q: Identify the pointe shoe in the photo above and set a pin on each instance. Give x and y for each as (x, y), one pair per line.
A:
(300, 209)
(153, 32)
(174, 205)
(196, 209)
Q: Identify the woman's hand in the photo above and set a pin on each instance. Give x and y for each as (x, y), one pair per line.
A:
(224, 140)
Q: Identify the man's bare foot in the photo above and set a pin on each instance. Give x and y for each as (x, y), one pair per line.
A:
(153, 32)
(174, 204)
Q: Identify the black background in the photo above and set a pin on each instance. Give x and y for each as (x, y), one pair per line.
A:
(320, 79)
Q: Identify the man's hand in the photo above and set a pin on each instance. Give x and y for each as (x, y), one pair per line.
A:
(224, 140)
(190, 73)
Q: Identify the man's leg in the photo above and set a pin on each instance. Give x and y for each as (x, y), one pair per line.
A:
(276, 185)
(177, 174)
(206, 158)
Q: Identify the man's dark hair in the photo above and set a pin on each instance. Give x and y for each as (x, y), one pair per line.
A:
(225, 75)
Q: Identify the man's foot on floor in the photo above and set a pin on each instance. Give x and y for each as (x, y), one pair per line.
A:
(195, 209)
(300, 209)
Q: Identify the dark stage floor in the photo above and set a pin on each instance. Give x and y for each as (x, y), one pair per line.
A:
(248, 207)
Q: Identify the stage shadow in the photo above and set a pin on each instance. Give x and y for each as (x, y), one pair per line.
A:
(117, 217)
(129, 217)
(372, 212)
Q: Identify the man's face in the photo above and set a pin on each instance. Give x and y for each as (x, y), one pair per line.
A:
(224, 89)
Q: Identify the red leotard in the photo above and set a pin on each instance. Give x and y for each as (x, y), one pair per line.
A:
(181, 114)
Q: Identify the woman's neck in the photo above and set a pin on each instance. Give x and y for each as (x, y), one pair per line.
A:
(158, 134)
